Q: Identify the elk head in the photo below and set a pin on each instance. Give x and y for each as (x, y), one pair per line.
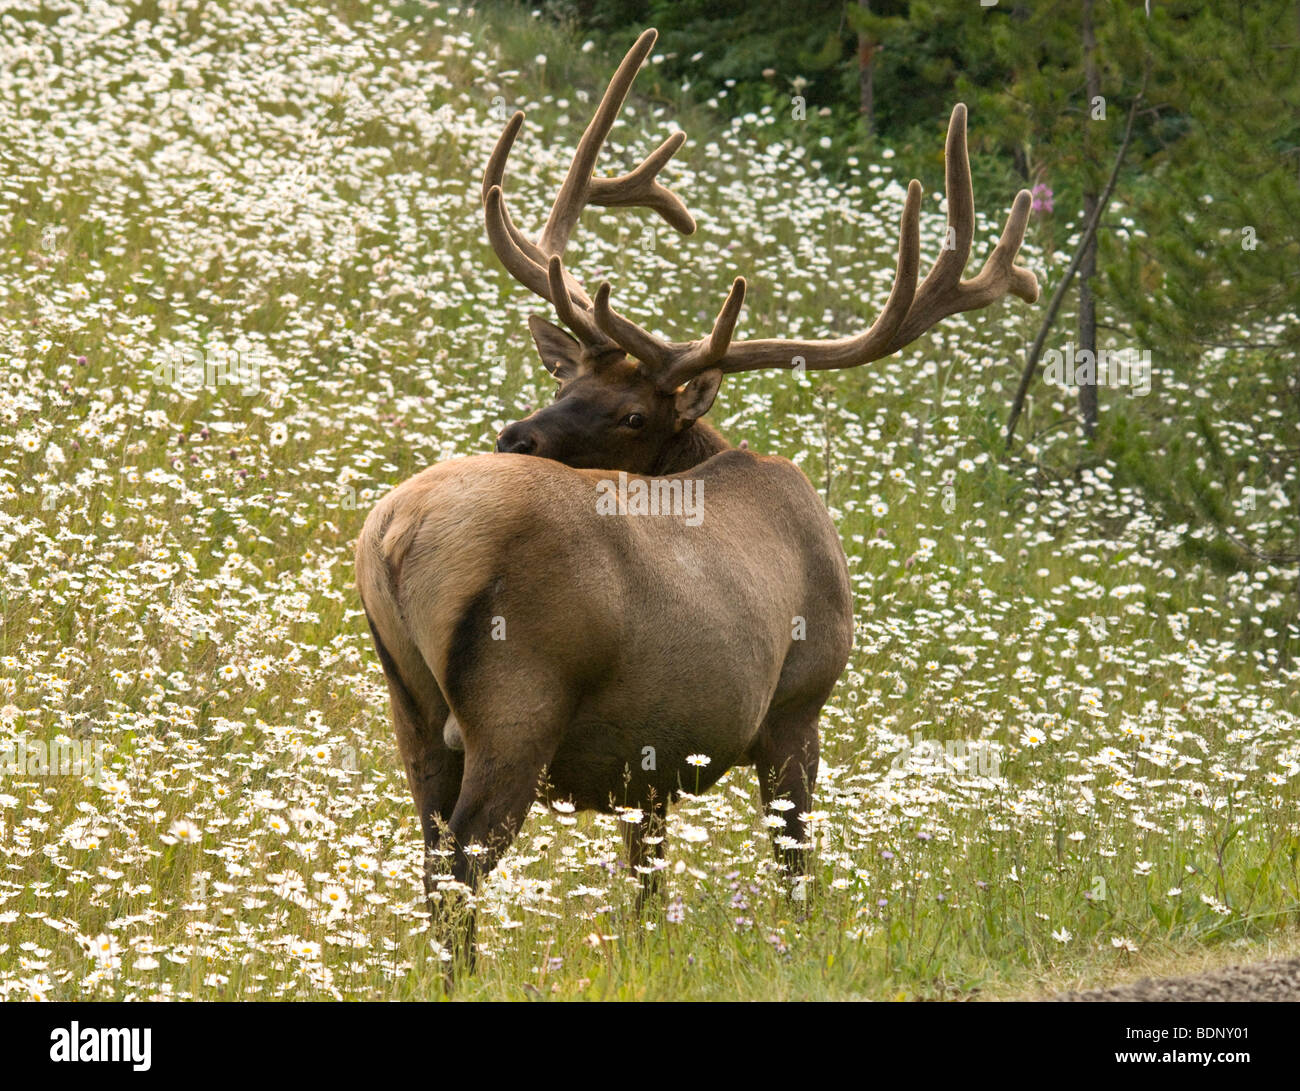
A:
(630, 400)
(610, 411)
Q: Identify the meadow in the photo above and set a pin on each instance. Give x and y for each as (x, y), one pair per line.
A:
(245, 290)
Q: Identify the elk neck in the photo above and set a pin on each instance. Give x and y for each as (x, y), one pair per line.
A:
(695, 443)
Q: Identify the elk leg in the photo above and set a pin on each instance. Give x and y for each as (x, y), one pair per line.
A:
(498, 788)
(645, 845)
(433, 772)
(785, 756)
(419, 713)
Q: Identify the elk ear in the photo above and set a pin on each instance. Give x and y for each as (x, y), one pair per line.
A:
(561, 354)
(696, 397)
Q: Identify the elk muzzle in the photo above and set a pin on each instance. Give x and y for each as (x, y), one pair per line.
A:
(519, 438)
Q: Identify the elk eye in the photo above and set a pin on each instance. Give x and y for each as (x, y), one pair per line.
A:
(633, 420)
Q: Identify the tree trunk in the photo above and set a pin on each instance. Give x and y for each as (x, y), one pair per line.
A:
(1058, 296)
(1088, 266)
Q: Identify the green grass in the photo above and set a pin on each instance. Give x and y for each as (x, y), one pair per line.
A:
(177, 578)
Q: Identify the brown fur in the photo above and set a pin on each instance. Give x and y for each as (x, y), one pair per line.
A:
(620, 633)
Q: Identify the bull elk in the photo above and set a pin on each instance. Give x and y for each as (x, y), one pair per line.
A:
(536, 649)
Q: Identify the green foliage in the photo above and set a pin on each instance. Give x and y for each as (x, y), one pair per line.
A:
(187, 599)
(1204, 266)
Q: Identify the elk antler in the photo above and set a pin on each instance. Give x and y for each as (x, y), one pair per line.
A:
(909, 311)
(906, 315)
(534, 264)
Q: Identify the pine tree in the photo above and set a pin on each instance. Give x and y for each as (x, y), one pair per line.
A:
(1209, 278)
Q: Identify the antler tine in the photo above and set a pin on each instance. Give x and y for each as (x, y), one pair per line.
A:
(709, 350)
(719, 339)
(510, 247)
(908, 313)
(847, 351)
(639, 187)
(579, 319)
(678, 362)
(519, 254)
(630, 337)
(943, 292)
(642, 187)
(947, 269)
(530, 262)
(494, 174)
(1001, 265)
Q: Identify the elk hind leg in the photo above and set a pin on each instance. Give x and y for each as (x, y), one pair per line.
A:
(503, 773)
(645, 847)
(419, 712)
(785, 757)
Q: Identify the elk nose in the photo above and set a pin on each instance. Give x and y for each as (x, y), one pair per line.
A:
(516, 441)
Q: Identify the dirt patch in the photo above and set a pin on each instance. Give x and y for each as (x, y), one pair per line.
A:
(1275, 981)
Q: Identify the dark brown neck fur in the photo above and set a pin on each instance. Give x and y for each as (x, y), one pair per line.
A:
(692, 445)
